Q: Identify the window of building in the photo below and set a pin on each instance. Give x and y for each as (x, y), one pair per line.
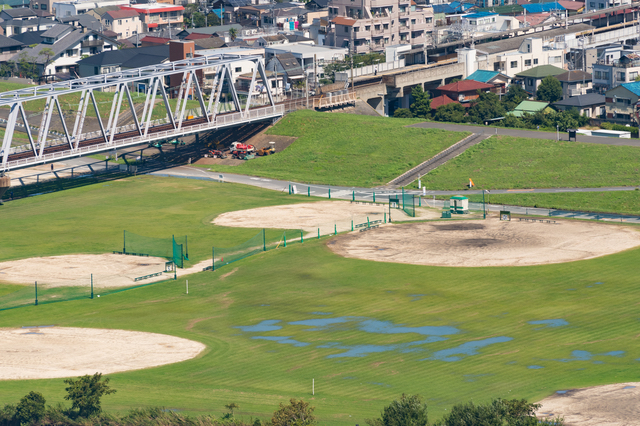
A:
(238, 69)
(514, 64)
(605, 75)
(119, 21)
(356, 29)
(529, 82)
(601, 5)
(535, 61)
(622, 76)
(367, 27)
(633, 75)
(174, 14)
(413, 22)
(428, 20)
(597, 74)
(527, 62)
(273, 84)
(43, 7)
(190, 55)
(385, 26)
(592, 5)
(377, 27)
(386, 40)
(346, 29)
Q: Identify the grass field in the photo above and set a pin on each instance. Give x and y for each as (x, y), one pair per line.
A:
(373, 308)
(346, 149)
(506, 162)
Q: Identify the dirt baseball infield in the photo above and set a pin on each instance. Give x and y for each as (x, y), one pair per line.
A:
(610, 405)
(488, 242)
(50, 352)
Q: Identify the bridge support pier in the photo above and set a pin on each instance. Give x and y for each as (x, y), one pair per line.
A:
(5, 183)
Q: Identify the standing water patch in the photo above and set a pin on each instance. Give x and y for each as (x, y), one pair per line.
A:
(549, 323)
(267, 325)
(466, 349)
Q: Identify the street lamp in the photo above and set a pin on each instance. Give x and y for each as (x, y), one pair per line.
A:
(484, 206)
(558, 132)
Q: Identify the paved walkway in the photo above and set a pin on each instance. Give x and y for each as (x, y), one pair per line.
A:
(527, 133)
(383, 194)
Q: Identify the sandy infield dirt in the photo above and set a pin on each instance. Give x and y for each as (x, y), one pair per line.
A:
(109, 270)
(310, 216)
(50, 352)
(488, 242)
(610, 405)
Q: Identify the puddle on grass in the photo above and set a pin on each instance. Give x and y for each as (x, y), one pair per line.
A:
(586, 356)
(571, 289)
(535, 367)
(286, 340)
(466, 349)
(562, 392)
(549, 323)
(599, 283)
(359, 351)
(416, 297)
(348, 378)
(266, 325)
(321, 323)
(321, 313)
(380, 384)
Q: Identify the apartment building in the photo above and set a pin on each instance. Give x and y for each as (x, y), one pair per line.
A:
(530, 54)
(157, 16)
(609, 73)
(621, 103)
(125, 23)
(376, 24)
(64, 9)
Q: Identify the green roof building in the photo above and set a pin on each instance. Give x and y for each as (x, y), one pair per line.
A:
(530, 107)
(534, 76)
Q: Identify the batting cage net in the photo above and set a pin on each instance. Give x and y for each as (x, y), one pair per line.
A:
(139, 245)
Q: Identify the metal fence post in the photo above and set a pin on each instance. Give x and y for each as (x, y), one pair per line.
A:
(374, 197)
(213, 258)
(308, 191)
(329, 192)
(92, 286)
(264, 241)
(352, 225)
(301, 237)
(36, 293)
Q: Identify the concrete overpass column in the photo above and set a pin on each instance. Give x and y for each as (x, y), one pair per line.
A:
(5, 183)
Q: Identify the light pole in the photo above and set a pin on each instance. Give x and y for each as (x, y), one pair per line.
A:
(484, 206)
(558, 132)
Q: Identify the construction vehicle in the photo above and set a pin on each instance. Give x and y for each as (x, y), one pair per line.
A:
(239, 146)
(271, 149)
(215, 153)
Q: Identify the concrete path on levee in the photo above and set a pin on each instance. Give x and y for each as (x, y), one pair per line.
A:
(563, 136)
(382, 194)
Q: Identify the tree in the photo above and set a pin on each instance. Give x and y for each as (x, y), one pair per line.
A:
(233, 33)
(48, 53)
(198, 20)
(212, 19)
(408, 411)
(421, 106)
(402, 113)
(232, 406)
(296, 413)
(499, 412)
(452, 113)
(31, 408)
(86, 392)
(514, 96)
(486, 107)
(550, 90)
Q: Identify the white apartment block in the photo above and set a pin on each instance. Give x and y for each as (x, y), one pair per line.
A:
(376, 24)
(530, 54)
(125, 23)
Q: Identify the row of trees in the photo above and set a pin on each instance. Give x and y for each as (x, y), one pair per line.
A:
(489, 106)
(410, 410)
(193, 18)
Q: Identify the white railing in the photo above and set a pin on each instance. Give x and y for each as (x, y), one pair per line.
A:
(369, 69)
(220, 121)
(335, 98)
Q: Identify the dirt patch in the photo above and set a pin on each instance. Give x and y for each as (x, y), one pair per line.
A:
(610, 405)
(310, 216)
(259, 141)
(488, 243)
(51, 352)
(223, 276)
(109, 270)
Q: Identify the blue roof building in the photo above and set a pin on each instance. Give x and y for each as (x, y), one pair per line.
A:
(543, 7)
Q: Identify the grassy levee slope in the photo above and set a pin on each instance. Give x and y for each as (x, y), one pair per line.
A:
(505, 162)
(346, 149)
(307, 281)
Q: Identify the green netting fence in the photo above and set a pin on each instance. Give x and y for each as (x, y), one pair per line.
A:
(169, 248)
(40, 293)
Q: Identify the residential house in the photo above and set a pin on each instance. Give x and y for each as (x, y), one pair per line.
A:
(156, 16)
(271, 40)
(534, 76)
(533, 19)
(573, 7)
(530, 107)
(196, 36)
(62, 47)
(9, 47)
(29, 39)
(99, 11)
(289, 19)
(552, 6)
(484, 22)
(375, 24)
(79, 7)
(286, 64)
(498, 80)
(604, 4)
(608, 73)
(19, 26)
(574, 83)
(312, 58)
(147, 41)
(621, 103)
(83, 21)
(209, 43)
(125, 23)
(442, 100)
(119, 60)
(464, 90)
(591, 105)
(277, 82)
(19, 14)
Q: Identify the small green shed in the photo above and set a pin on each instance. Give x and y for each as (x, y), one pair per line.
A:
(459, 204)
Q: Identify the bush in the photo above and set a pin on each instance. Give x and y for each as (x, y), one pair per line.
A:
(402, 113)
(31, 408)
(612, 126)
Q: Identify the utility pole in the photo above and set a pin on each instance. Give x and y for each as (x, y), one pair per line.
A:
(351, 49)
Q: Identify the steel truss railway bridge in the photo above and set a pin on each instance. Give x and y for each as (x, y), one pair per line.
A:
(68, 139)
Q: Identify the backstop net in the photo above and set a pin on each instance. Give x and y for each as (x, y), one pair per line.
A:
(139, 245)
(225, 255)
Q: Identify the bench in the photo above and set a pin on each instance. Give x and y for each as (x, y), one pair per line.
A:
(144, 277)
(131, 254)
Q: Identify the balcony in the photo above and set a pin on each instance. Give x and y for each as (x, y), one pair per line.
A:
(403, 28)
(93, 43)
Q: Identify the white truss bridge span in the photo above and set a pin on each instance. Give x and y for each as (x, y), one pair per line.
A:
(73, 142)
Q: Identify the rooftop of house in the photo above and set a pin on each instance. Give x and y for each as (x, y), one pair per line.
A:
(68, 41)
(590, 99)
(56, 31)
(543, 7)
(541, 71)
(465, 86)
(290, 64)
(152, 55)
(442, 100)
(479, 15)
(632, 87)
(7, 42)
(197, 36)
(21, 12)
(121, 14)
(534, 18)
(155, 40)
(483, 76)
(574, 76)
(339, 20)
(209, 43)
(530, 107)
